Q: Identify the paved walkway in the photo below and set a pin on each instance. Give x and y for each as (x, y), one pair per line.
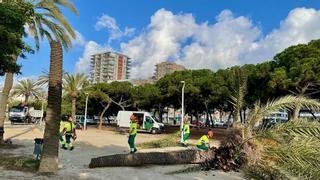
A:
(94, 143)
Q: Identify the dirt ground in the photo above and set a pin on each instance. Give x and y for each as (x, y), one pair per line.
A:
(93, 143)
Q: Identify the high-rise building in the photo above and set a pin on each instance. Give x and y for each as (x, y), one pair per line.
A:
(165, 68)
(109, 66)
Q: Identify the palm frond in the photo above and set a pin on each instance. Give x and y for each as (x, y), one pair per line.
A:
(67, 4)
(73, 84)
(284, 103)
(26, 87)
(49, 22)
(297, 149)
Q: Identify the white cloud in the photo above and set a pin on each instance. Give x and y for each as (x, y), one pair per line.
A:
(83, 64)
(220, 44)
(79, 39)
(162, 40)
(229, 41)
(109, 23)
(300, 26)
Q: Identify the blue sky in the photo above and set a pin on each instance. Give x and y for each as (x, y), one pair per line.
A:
(219, 33)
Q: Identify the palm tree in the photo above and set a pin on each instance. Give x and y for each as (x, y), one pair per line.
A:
(49, 22)
(45, 22)
(26, 88)
(72, 85)
(43, 79)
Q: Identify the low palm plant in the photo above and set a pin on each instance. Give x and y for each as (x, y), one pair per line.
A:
(72, 85)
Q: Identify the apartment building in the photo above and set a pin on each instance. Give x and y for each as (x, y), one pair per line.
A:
(165, 68)
(109, 66)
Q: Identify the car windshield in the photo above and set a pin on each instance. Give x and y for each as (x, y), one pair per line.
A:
(16, 110)
(155, 118)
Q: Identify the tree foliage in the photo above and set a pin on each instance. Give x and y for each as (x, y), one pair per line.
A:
(13, 17)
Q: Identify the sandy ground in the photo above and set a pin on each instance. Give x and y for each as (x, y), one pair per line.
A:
(94, 143)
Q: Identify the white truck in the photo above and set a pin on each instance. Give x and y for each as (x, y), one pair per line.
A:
(146, 122)
(24, 114)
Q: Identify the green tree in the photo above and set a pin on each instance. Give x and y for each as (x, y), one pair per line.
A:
(72, 86)
(120, 94)
(146, 97)
(297, 71)
(27, 88)
(13, 17)
(99, 100)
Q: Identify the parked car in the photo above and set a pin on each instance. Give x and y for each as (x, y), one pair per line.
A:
(80, 119)
(219, 124)
(199, 123)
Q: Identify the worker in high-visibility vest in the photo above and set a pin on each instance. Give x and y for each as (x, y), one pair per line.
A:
(186, 131)
(61, 133)
(132, 133)
(70, 133)
(203, 142)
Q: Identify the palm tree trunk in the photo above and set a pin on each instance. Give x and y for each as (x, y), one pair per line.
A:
(154, 158)
(4, 101)
(26, 99)
(73, 109)
(49, 159)
(102, 114)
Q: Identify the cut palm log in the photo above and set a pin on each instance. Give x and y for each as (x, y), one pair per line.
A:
(153, 158)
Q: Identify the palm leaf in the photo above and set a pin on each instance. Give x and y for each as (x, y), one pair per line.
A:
(297, 149)
(284, 103)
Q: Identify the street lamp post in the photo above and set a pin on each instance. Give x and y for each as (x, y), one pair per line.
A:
(85, 113)
(182, 110)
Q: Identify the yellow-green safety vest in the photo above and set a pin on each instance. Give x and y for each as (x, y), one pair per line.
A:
(186, 129)
(62, 125)
(69, 127)
(133, 128)
(203, 140)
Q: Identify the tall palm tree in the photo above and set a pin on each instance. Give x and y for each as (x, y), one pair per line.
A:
(43, 79)
(26, 88)
(72, 85)
(49, 22)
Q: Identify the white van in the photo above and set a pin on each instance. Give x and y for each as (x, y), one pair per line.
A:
(146, 122)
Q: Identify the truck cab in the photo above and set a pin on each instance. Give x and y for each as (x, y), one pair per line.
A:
(18, 114)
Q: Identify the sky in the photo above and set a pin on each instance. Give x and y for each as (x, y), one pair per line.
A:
(199, 34)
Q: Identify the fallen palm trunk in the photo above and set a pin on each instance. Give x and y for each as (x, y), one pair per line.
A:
(153, 158)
